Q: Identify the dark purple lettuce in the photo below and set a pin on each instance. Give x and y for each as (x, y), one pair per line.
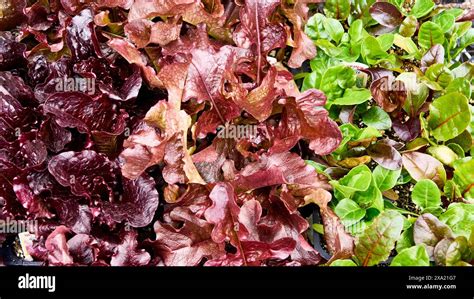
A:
(81, 37)
(87, 173)
(12, 53)
(127, 253)
(80, 111)
(137, 204)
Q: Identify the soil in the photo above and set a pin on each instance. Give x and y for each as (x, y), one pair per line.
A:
(404, 197)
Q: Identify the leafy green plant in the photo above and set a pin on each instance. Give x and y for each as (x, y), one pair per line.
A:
(404, 104)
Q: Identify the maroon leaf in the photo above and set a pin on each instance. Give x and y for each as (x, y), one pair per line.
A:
(83, 249)
(144, 148)
(25, 152)
(407, 130)
(210, 161)
(54, 136)
(259, 102)
(279, 222)
(256, 253)
(187, 245)
(386, 14)
(58, 250)
(193, 12)
(224, 214)
(277, 169)
(127, 253)
(30, 201)
(423, 166)
(377, 73)
(125, 4)
(340, 243)
(74, 169)
(388, 94)
(434, 55)
(137, 205)
(207, 74)
(385, 155)
(12, 14)
(81, 38)
(467, 16)
(78, 110)
(303, 47)
(143, 32)
(305, 118)
(256, 32)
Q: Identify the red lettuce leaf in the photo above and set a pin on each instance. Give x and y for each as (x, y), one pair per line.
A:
(127, 253)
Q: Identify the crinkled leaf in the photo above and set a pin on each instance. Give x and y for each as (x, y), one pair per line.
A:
(459, 216)
(127, 253)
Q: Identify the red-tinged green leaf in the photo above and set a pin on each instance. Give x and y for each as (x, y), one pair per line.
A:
(423, 166)
(449, 116)
(378, 240)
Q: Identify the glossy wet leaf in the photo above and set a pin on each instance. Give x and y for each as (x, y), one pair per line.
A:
(386, 14)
